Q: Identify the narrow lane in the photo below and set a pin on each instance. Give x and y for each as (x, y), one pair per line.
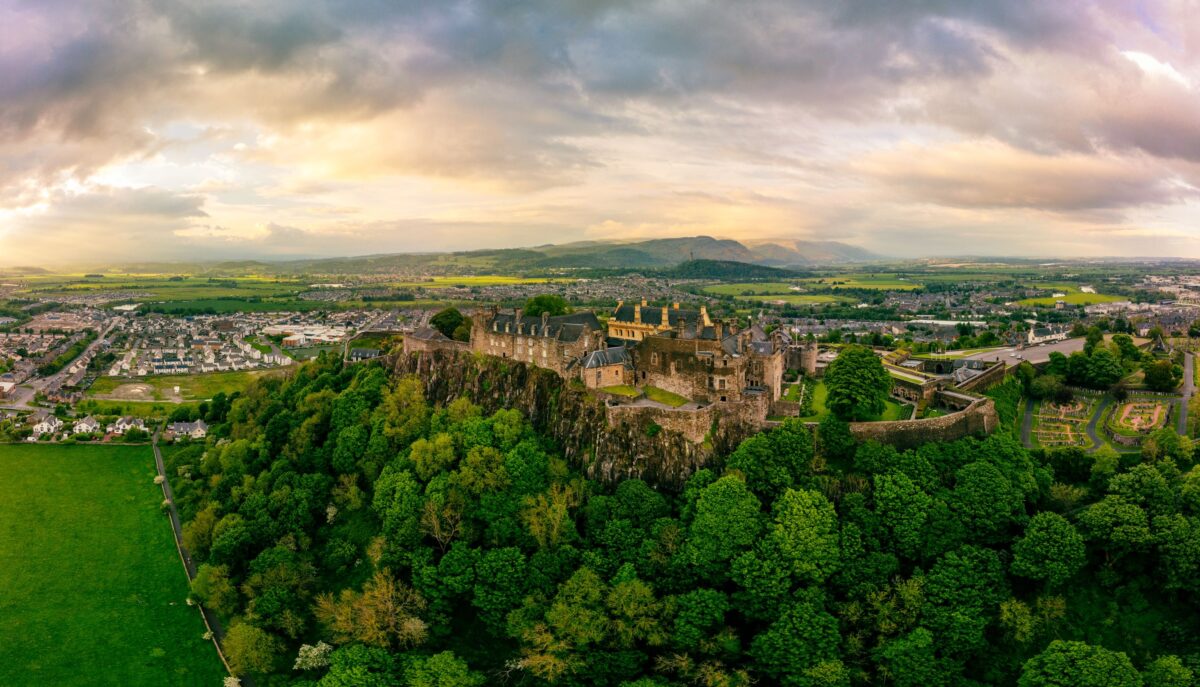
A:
(1097, 442)
(1189, 388)
(189, 567)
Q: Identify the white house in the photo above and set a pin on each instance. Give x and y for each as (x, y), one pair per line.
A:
(1039, 335)
(87, 425)
(47, 424)
(127, 423)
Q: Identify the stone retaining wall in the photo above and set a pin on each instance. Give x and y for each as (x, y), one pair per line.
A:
(978, 419)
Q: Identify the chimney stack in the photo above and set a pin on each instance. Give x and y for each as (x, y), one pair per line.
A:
(637, 313)
(643, 302)
(675, 305)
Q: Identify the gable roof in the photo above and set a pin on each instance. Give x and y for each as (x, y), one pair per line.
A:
(604, 357)
(565, 328)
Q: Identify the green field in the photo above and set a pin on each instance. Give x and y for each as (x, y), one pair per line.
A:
(750, 288)
(621, 390)
(92, 591)
(469, 281)
(191, 387)
(878, 282)
(1073, 296)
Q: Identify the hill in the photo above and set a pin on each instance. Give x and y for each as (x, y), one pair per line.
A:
(725, 269)
(601, 255)
(797, 252)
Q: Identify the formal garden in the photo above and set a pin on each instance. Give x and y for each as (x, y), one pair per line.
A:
(1064, 423)
(1137, 417)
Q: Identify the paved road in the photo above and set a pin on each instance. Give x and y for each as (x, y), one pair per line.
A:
(1034, 354)
(189, 567)
(1189, 388)
(1097, 442)
(25, 393)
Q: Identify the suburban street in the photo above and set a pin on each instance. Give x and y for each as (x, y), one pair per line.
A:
(23, 394)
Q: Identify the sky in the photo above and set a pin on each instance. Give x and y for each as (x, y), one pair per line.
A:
(161, 130)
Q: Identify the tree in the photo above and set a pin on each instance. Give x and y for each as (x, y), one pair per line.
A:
(213, 588)
(727, 522)
(547, 303)
(1076, 664)
(447, 321)
(911, 660)
(1051, 550)
(250, 649)
(1103, 369)
(858, 384)
(1168, 671)
(805, 529)
(803, 637)
(1160, 375)
(385, 614)
(442, 670)
(834, 438)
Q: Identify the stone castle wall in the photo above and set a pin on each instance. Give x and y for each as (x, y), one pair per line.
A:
(978, 419)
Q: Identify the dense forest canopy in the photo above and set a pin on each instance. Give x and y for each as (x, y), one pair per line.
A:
(351, 534)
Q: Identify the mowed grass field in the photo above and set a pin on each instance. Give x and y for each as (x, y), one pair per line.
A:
(1072, 296)
(198, 387)
(91, 588)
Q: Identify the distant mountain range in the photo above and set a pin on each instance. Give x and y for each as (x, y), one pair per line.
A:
(601, 255)
(658, 255)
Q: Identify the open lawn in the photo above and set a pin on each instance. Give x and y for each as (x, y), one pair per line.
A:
(892, 410)
(162, 388)
(621, 390)
(92, 591)
(1072, 296)
(663, 396)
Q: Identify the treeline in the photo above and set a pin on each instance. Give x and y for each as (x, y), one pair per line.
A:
(352, 534)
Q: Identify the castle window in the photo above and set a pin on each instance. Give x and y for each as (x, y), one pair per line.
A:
(653, 358)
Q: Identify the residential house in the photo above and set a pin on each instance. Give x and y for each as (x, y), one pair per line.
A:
(124, 424)
(193, 430)
(86, 425)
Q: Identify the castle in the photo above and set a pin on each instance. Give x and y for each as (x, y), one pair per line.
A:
(682, 351)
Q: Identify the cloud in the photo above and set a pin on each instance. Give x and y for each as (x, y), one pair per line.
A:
(993, 175)
(368, 125)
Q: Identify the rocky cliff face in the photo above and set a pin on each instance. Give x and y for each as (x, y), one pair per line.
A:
(573, 417)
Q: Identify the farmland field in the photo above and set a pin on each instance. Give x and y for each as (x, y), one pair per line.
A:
(91, 589)
(751, 288)
(468, 281)
(882, 282)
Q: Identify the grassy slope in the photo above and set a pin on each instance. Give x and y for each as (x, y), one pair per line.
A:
(91, 588)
